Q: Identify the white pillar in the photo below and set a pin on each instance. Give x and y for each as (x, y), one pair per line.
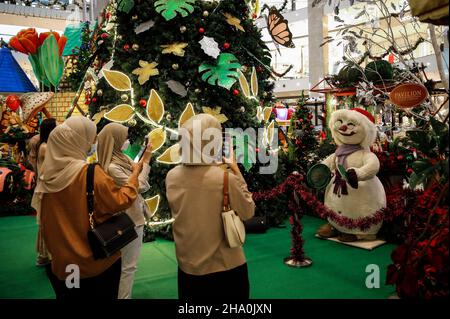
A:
(317, 27)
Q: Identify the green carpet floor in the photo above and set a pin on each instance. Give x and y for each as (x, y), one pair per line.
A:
(338, 271)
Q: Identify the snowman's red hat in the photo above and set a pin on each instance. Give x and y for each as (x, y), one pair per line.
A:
(365, 113)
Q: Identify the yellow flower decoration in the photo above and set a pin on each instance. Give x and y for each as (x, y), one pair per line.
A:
(176, 48)
(146, 71)
(216, 113)
(235, 22)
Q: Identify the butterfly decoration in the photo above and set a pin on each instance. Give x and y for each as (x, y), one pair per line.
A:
(278, 28)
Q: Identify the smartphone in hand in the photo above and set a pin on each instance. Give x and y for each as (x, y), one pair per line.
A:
(142, 150)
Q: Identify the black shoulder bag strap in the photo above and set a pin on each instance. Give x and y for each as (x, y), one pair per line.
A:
(90, 193)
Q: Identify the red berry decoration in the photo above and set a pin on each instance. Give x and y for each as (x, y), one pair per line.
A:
(226, 45)
(400, 157)
(201, 30)
(126, 47)
(410, 171)
(94, 99)
(104, 35)
(310, 116)
(236, 92)
(13, 102)
(143, 103)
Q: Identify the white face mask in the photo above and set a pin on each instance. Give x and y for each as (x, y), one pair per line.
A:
(92, 150)
(125, 145)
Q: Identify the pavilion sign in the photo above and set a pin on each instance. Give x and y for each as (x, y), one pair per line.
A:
(408, 95)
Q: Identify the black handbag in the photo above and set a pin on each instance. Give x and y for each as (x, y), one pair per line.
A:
(256, 225)
(112, 235)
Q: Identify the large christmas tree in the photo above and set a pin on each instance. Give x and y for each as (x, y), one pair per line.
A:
(169, 59)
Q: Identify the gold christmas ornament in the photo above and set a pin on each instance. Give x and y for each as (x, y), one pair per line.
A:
(135, 47)
(175, 66)
(124, 97)
(132, 123)
(135, 17)
(233, 21)
(145, 71)
(176, 48)
(197, 91)
(205, 13)
(183, 29)
(216, 113)
(99, 92)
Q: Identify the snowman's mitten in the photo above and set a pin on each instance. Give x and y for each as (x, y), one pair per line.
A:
(352, 178)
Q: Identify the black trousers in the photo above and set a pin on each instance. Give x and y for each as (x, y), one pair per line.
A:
(230, 284)
(103, 286)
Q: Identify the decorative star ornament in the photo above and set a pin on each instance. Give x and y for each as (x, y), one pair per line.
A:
(176, 48)
(146, 71)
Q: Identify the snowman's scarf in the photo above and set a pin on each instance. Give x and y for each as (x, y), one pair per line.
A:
(342, 152)
(345, 150)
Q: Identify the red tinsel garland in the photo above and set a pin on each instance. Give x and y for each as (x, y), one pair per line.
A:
(294, 182)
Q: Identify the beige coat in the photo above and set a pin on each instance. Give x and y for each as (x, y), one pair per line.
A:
(195, 196)
(139, 211)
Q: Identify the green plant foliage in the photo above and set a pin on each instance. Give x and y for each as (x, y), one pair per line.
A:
(379, 71)
(224, 73)
(169, 8)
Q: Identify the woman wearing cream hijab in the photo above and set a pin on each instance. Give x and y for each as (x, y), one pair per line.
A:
(60, 197)
(207, 266)
(112, 140)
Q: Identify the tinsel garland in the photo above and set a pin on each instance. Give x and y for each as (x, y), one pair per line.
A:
(395, 199)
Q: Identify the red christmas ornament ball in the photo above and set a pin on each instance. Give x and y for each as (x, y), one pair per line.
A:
(226, 45)
(254, 16)
(104, 35)
(126, 47)
(400, 157)
(13, 102)
(410, 171)
(311, 126)
(201, 30)
(310, 116)
(143, 103)
(94, 99)
(236, 92)
(300, 120)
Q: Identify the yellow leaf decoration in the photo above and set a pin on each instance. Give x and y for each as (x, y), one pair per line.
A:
(176, 48)
(155, 107)
(153, 204)
(216, 113)
(267, 112)
(233, 21)
(259, 113)
(186, 115)
(98, 116)
(120, 114)
(172, 155)
(145, 71)
(118, 80)
(270, 132)
(158, 138)
(255, 87)
(244, 84)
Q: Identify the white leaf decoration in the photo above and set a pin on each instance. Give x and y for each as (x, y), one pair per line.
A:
(177, 88)
(144, 26)
(210, 47)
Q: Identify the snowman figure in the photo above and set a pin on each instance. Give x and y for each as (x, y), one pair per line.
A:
(355, 191)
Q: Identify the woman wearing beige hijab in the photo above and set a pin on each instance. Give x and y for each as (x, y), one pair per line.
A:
(112, 140)
(60, 197)
(207, 266)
